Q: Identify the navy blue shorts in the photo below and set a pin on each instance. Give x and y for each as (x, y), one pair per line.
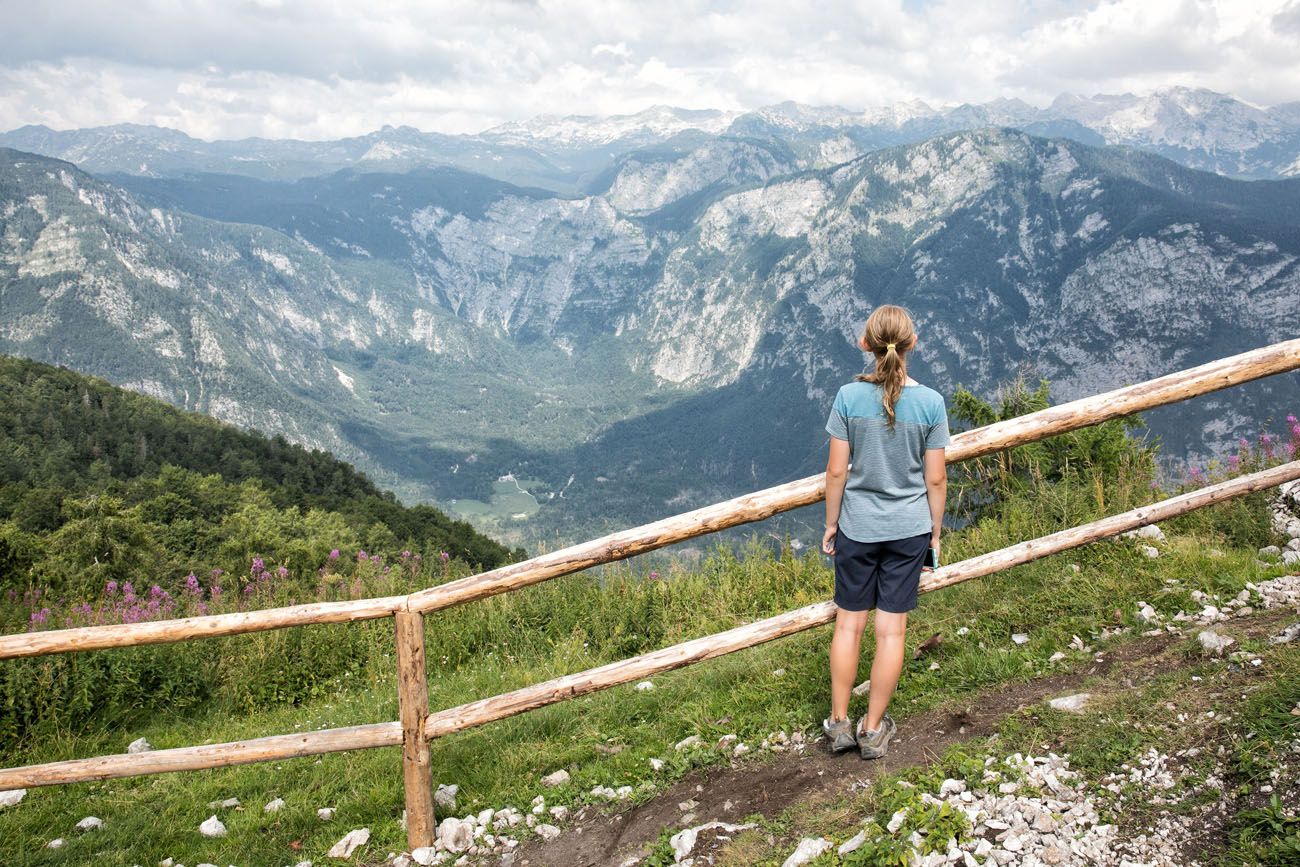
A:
(883, 575)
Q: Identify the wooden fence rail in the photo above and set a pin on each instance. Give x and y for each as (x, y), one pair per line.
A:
(560, 689)
(1192, 382)
(417, 727)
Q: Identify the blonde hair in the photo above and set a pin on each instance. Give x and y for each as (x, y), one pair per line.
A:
(889, 334)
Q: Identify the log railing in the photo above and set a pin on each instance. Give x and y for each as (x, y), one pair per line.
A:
(417, 726)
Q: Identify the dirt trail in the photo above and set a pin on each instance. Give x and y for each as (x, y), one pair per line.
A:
(770, 786)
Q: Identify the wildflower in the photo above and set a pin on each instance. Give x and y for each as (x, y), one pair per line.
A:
(1234, 461)
(110, 588)
(192, 585)
(248, 588)
(654, 574)
(1243, 442)
(334, 555)
(155, 592)
(406, 555)
(1289, 448)
(283, 571)
(1295, 430)
(258, 565)
(217, 573)
(1265, 438)
(362, 556)
(1291, 419)
(39, 617)
(444, 556)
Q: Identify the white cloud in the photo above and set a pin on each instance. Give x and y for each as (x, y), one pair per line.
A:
(313, 70)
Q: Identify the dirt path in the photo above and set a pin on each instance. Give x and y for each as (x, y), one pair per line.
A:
(772, 785)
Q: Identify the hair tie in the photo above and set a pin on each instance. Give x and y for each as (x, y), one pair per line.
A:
(888, 346)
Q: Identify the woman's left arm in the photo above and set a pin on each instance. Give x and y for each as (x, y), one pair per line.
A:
(837, 473)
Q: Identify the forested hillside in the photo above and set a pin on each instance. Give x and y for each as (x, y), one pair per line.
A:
(98, 483)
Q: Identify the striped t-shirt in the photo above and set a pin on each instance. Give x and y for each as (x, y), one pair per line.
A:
(884, 495)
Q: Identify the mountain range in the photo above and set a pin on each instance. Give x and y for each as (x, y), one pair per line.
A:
(553, 363)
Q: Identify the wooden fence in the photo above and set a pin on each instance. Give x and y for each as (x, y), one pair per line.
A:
(417, 727)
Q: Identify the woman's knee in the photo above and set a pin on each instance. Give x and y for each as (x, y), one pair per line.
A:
(890, 625)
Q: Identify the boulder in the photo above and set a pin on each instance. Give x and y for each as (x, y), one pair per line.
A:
(445, 798)
(1213, 642)
(90, 823)
(558, 778)
(139, 745)
(12, 797)
(1150, 531)
(1070, 703)
(455, 835)
(808, 849)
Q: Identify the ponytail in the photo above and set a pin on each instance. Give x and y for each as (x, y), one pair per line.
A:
(888, 335)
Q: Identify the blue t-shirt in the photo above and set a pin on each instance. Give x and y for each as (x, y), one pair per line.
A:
(884, 495)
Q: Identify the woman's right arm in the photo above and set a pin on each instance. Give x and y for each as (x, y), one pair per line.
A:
(837, 473)
(936, 491)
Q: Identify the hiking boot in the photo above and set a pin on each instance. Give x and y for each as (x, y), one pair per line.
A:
(874, 744)
(840, 734)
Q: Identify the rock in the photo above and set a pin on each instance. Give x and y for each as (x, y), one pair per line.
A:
(12, 797)
(1269, 552)
(423, 855)
(687, 743)
(559, 812)
(862, 688)
(90, 823)
(1150, 531)
(445, 798)
(1056, 657)
(1020, 637)
(1290, 557)
(779, 672)
(56, 843)
(212, 827)
(139, 745)
(656, 764)
(558, 778)
(726, 741)
(349, 844)
(896, 821)
(683, 842)
(808, 849)
(455, 835)
(1148, 551)
(274, 806)
(1213, 642)
(854, 842)
(951, 787)
(325, 814)
(740, 750)
(644, 686)
(1146, 613)
(547, 832)
(1294, 544)
(1286, 636)
(226, 804)
(1070, 703)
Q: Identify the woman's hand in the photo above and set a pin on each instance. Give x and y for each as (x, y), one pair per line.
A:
(828, 540)
(934, 543)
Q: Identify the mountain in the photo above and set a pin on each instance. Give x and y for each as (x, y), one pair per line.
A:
(1196, 127)
(552, 365)
(102, 483)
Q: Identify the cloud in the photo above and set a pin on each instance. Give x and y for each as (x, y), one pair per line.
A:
(317, 70)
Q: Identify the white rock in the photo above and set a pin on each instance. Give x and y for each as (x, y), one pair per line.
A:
(1213, 642)
(808, 849)
(139, 745)
(965, 630)
(325, 814)
(351, 840)
(1148, 551)
(547, 832)
(951, 787)
(1290, 557)
(558, 778)
(645, 686)
(683, 842)
(90, 823)
(12, 797)
(1070, 703)
(559, 812)
(779, 672)
(1150, 531)
(854, 842)
(1056, 657)
(212, 827)
(896, 821)
(1020, 637)
(862, 688)
(273, 806)
(455, 835)
(445, 797)
(656, 764)
(687, 743)
(424, 855)
(1269, 552)
(56, 843)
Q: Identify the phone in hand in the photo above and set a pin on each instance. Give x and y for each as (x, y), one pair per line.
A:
(932, 557)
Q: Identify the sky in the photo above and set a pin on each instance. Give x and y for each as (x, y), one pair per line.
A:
(324, 70)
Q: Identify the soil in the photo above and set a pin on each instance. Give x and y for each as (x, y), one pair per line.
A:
(769, 785)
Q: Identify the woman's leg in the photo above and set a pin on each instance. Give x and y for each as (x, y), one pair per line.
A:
(887, 665)
(846, 645)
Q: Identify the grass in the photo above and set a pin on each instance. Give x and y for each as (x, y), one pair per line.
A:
(571, 624)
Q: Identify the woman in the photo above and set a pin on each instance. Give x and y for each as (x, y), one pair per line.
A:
(886, 487)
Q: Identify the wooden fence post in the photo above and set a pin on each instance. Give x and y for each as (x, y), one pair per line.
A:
(413, 708)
